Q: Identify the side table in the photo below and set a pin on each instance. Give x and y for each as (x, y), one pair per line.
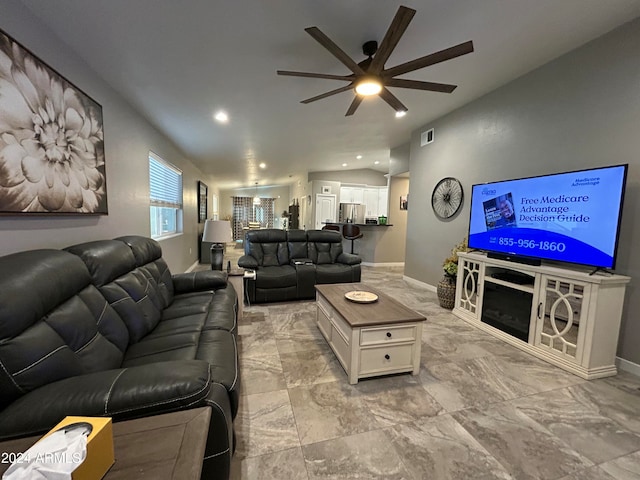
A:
(162, 447)
(236, 278)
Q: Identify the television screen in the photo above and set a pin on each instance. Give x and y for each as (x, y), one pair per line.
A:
(570, 217)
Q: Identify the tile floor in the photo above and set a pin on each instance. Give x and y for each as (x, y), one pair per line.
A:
(479, 409)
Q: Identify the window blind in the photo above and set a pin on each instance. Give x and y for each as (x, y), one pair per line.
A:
(165, 184)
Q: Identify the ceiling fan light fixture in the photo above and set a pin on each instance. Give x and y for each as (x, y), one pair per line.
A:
(369, 86)
(256, 199)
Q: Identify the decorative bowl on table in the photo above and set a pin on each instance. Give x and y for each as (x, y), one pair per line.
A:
(360, 296)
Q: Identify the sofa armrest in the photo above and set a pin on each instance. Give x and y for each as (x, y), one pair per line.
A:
(247, 261)
(349, 259)
(199, 281)
(121, 393)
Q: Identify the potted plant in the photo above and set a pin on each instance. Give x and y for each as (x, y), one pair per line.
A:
(447, 286)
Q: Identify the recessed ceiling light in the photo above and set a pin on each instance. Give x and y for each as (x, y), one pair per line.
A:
(359, 157)
(401, 113)
(344, 164)
(376, 162)
(263, 165)
(221, 117)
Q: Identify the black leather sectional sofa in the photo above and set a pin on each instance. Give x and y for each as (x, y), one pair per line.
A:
(105, 329)
(288, 264)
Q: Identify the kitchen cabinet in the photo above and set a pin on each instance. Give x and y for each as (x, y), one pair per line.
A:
(371, 201)
(351, 195)
(383, 201)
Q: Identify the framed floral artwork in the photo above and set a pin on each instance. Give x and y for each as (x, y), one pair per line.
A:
(51, 140)
(202, 202)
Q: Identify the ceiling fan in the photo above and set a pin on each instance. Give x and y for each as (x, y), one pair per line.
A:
(370, 77)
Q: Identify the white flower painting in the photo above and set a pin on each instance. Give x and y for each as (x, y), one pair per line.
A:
(51, 140)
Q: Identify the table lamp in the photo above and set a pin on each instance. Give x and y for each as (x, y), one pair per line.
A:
(218, 232)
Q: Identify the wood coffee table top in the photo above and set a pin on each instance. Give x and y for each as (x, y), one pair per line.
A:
(385, 311)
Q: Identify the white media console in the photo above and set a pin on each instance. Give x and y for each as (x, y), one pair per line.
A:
(567, 317)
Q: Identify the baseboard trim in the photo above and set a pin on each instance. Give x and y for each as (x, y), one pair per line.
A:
(429, 287)
(192, 267)
(383, 264)
(627, 366)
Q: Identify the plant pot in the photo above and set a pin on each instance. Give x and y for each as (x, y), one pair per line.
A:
(447, 292)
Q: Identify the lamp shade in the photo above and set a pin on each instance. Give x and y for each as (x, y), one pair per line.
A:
(217, 231)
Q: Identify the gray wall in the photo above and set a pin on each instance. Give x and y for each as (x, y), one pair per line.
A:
(399, 159)
(128, 139)
(384, 245)
(281, 203)
(581, 110)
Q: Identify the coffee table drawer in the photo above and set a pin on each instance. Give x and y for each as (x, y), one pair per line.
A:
(389, 358)
(377, 336)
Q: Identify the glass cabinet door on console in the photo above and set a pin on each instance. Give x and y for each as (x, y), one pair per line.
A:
(560, 315)
(468, 288)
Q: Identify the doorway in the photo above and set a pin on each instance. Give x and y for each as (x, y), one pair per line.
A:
(325, 209)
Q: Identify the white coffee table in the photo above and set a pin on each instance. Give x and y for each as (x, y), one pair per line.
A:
(369, 339)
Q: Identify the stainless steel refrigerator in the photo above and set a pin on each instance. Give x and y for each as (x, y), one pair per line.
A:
(352, 213)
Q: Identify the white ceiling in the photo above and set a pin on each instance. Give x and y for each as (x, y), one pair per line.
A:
(178, 62)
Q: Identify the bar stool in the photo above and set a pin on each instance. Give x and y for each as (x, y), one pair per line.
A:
(351, 232)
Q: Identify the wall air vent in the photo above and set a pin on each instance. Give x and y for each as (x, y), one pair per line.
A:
(426, 137)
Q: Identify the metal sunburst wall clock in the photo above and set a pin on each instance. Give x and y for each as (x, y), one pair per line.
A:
(447, 197)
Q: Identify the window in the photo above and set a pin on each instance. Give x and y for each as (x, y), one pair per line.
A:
(165, 195)
(244, 211)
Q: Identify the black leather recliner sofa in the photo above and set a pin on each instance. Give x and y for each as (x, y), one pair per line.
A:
(105, 329)
(288, 264)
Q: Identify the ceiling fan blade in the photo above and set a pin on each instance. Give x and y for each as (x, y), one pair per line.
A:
(327, 94)
(392, 100)
(418, 85)
(392, 37)
(347, 78)
(334, 49)
(354, 105)
(432, 59)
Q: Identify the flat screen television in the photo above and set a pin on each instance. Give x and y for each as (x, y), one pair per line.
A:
(571, 217)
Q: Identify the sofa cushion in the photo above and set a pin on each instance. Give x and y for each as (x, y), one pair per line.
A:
(276, 277)
(268, 247)
(53, 323)
(199, 281)
(105, 259)
(324, 246)
(148, 258)
(219, 312)
(335, 273)
(297, 243)
(217, 347)
(162, 347)
(138, 294)
(136, 303)
(145, 250)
